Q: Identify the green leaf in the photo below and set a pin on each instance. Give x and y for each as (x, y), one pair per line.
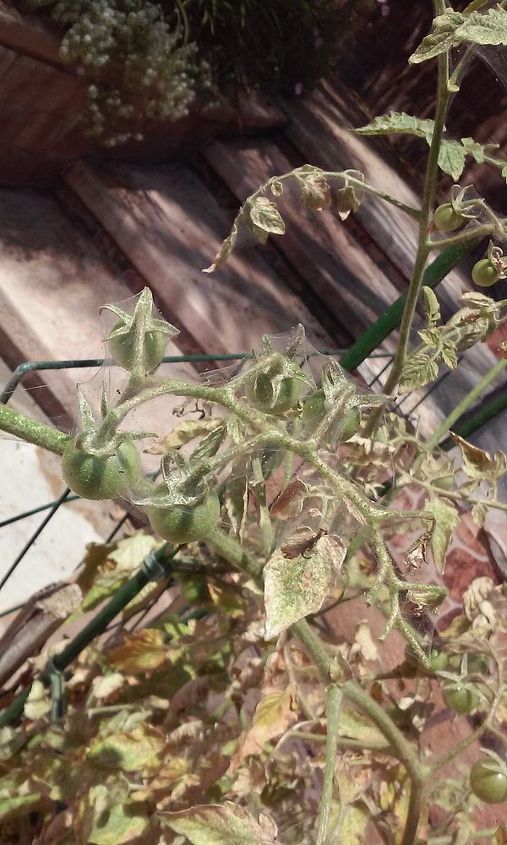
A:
(451, 158)
(419, 369)
(489, 28)
(265, 217)
(227, 824)
(474, 149)
(454, 28)
(431, 305)
(294, 587)
(446, 519)
(397, 123)
(440, 39)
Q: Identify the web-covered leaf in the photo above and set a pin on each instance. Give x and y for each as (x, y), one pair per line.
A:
(397, 123)
(295, 586)
(453, 28)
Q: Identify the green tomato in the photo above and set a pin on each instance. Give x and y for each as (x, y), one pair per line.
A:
(182, 524)
(460, 698)
(484, 273)
(97, 477)
(122, 346)
(438, 660)
(445, 219)
(488, 779)
(260, 392)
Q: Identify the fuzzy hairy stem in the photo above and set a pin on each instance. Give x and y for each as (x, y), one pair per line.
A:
(32, 431)
(430, 183)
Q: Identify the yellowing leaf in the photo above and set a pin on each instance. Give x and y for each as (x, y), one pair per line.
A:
(37, 704)
(102, 819)
(355, 726)
(273, 715)
(132, 550)
(131, 752)
(353, 829)
(227, 824)
(141, 652)
(295, 587)
(446, 519)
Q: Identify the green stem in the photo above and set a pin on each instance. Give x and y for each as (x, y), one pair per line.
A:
(341, 741)
(32, 431)
(465, 403)
(333, 701)
(462, 237)
(414, 813)
(430, 183)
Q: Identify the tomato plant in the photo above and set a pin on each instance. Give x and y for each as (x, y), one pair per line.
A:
(290, 557)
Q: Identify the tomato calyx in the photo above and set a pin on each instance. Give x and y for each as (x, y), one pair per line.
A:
(275, 381)
(137, 341)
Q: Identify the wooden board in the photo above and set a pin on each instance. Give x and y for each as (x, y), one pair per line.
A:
(169, 226)
(53, 282)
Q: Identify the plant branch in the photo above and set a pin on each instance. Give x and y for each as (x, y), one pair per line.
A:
(463, 237)
(333, 702)
(430, 182)
(32, 431)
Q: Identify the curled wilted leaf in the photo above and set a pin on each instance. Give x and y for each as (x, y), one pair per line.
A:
(315, 191)
(265, 219)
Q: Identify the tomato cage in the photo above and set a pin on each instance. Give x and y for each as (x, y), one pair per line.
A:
(157, 566)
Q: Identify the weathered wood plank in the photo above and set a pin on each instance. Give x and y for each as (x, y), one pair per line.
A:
(169, 226)
(27, 34)
(53, 282)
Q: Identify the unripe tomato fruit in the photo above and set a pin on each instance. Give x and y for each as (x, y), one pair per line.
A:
(445, 219)
(122, 347)
(438, 661)
(260, 392)
(484, 273)
(98, 477)
(184, 524)
(488, 780)
(459, 698)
